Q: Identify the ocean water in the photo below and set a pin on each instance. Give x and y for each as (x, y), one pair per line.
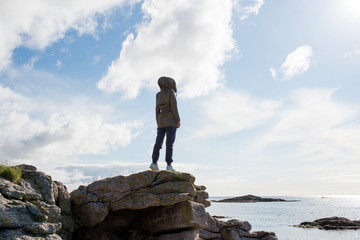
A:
(279, 217)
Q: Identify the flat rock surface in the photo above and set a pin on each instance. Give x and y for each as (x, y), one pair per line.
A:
(331, 223)
(252, 198)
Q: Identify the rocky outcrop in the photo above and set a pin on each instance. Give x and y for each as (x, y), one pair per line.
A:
(151, 205)
(140, 206)
(35, 208)
(232, 230)
(331, 223)
(252, 198)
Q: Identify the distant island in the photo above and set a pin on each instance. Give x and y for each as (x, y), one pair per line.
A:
(252, 198)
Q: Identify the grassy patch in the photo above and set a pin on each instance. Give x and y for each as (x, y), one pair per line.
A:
(10, 173)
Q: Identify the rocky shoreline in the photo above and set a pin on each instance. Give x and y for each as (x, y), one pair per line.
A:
(331, 223)
(149, 205)
(251, 199)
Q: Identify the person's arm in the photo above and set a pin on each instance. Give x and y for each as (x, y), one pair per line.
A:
(174, 109)
(157, 110)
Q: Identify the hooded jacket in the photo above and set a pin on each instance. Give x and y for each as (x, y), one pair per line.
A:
(166, 110)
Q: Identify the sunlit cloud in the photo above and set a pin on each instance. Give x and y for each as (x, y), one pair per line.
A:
(245, 8)
(187, 40)
(38, 24)
(63, 133)
(296, 63)
(230, 111)
(321, 127)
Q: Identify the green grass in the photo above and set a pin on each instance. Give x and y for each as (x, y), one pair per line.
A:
(10, 173)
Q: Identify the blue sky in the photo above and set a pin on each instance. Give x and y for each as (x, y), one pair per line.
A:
(268, 90)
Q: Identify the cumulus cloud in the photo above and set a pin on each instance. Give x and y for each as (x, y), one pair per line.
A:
(296, 63)
(187, 40)
(229, 111)
(64, 133)
(321, 127)
(39, 23)
(246, 8)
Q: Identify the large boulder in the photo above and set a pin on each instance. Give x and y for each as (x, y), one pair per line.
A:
(154, 203)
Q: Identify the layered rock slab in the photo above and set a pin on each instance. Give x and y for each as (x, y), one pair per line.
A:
(154, 203)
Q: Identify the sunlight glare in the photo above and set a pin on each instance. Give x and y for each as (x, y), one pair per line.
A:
(348, 11)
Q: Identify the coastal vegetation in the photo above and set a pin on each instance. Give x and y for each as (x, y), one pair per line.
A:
(11, 173)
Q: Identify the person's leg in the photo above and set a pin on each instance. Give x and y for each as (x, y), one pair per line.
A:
(170, 139)
(158, 144)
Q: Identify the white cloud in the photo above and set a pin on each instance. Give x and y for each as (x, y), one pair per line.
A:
(58, 64)
(352, 53)
(73, 175)
(229, 111)
(39, 23)
(31, 63)
(187, 40)
(246, 8)
(64, 133)
(296, 63)
(321, 127)
(273, 72)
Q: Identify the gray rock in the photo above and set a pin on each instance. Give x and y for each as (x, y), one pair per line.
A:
(36, 213)
(22, 235)
(204, 234)
(63, 200)
(91, 214)
(331, 223)
(11, 190)
(13, 214)
(43, 228)
(230, 234)
(183, 215)
(188, 235)
(44, 182)
(212, 225)
(50, 210)
(244, 225)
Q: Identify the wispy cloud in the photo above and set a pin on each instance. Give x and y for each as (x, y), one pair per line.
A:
(38, 24)
(246, 8)
(321, 127)
(188, 40)
(352, 53)
(74, 175)
(296, 63)
(59, 64)
(31, 63)
(230, 111)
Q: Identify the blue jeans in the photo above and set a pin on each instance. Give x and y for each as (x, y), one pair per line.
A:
(170, 139)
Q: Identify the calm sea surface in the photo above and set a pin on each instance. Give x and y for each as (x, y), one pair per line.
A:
(279, 217)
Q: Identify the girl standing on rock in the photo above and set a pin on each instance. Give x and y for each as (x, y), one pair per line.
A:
(167, 119)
